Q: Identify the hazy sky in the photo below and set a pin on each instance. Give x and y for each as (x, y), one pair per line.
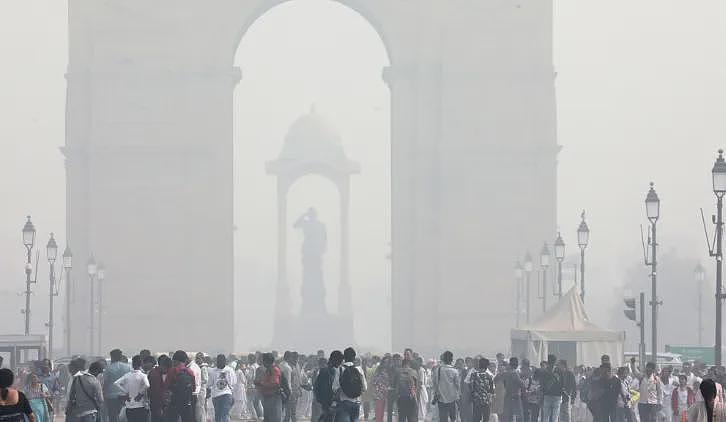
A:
(641, 89)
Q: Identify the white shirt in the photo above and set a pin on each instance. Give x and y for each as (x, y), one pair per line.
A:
(222, 381)
(197, 371)
(651, 390)
(134, 384)
(692, 380)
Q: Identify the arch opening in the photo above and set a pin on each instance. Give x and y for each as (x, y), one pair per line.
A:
(331, 65)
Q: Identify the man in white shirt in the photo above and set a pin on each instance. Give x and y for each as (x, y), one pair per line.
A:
(222, 380)
(348, 409)
(133, 386)
(446, 387)
(198, 395)
(651, 395)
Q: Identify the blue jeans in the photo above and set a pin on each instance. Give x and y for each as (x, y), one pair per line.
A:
(347, 411)
(565, 410)
(222, 407)
(512, 409)
(551, 408)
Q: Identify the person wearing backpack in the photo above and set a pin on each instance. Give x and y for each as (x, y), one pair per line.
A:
(349, 384)
(222, 381)
(447, 387)
(180, 385)
(85, 395)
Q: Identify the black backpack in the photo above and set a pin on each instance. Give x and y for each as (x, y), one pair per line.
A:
(183, 388)
(351, 382)
(323, 388)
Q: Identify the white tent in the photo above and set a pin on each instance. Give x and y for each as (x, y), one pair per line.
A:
(566, 331)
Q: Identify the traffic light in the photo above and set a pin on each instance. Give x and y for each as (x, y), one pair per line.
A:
(630, 309)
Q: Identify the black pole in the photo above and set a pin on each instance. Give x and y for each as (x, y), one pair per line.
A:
(100, 315)
(654, 298)
(641, 346)
(28, 271)
(92, 316)
(700, 313)
(544, 289)
(519, 299)
(719, 285)
(559, 278)
(68, 311)
(50, 310)
(582, 274)
(529, 293)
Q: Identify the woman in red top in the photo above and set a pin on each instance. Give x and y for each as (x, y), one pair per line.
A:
(681, 399)
(268, 386)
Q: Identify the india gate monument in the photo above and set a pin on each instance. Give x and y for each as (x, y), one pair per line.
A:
(473, 165)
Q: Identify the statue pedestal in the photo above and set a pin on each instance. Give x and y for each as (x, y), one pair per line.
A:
(308, 333)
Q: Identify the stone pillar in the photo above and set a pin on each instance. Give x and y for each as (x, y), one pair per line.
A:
(282, 290)
(345, 302)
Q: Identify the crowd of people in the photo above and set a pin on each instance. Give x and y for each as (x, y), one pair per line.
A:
(345, 387)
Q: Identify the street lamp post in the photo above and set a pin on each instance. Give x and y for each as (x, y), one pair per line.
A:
(583, 237)
(518, 276)
(652, 210)
(699, 275)
(559, 256)
(718, 174)
(544, 261)
(28, 241)
(101, 276)
(67, 266)
(92, 270)
(528, 274)
(51, 249)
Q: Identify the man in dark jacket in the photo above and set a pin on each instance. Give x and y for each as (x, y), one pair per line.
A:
(569, 390)
(608, 388)
(551, 381)
(323, 388)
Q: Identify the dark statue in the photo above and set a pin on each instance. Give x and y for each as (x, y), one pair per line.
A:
(315, 243)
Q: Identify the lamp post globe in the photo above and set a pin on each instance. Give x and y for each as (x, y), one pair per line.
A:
(559, 256)
(528, 263)
(518, 271)
(583, 239)
(559, 248)
(67, 258)
(92, 267)
(718, 174)
(652, 204)
(699, 273)
(51, 249)
(544, 256)
(101, 272)
(583, 233)
(29, 234)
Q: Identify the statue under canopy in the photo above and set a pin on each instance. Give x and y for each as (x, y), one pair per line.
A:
(315, 243)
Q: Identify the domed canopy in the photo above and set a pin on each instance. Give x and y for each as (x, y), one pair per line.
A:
(312, 145)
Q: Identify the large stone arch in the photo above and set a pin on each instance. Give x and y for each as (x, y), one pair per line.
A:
(372, 12)
(149, 144)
